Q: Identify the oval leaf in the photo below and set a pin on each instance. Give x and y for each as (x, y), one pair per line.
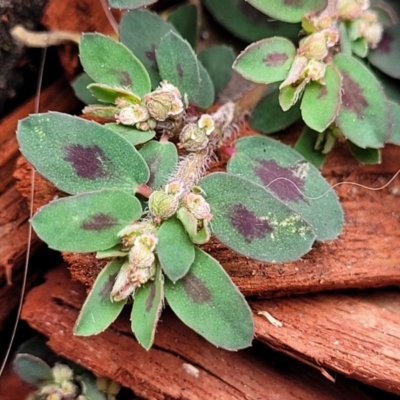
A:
(111, 63)
(205, 97)
(32, 369)
(266, 61)
(172, 241)
(261, 160)
(79, 155)
(184, 18)
(109, 94)
(364, 117)
(288, 11)
(132, 135)
(147, 306)
(207, 301)
(161, 158)
(365, 156)
(86, 222)
(395, 136)
(80, 84)
(99, 312)
(251, 221)
(305, 145)
(178, 65)
(321, 103)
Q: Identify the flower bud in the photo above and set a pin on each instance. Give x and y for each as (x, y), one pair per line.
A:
(206, 123)
(351, 9)
(296, 72)
(193, 138)
(175, 188)
(315, 70)
(163, 104)
(132, 115)
(163, 205)
(314, 46)
(123, 286)
(62, 372)
(169, 87)
(130, 232)
(198, 206)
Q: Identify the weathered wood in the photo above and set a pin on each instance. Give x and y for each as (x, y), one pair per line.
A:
(181, 365)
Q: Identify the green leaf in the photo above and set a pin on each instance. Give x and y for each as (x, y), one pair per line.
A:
(86, 222)
(147, 306)
(247, 23)
(266, 61)
(305, 145)
(321, 103)
(142, 41)
(364, 117)
(99, 312)
(111, 63)
(268, 116)
(288, 11)
(32, 369)
(112, 252)
(80, 84)
(289, 95)
(184, 18)
(262, 160)
(130, 4)
(79, 155)
(109, 94)
(205, 97)
(253, 222)
(386, 56)
(178, 64)
(395, 131)
(218, 61)
(207, 301)
(360, 47)
(175, 250)
(365, 156)
(132, 135)
(90, 390)
(162, 159)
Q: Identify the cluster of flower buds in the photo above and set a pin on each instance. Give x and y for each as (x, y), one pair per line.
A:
(163, 104)
(140, 239)
(195, 136)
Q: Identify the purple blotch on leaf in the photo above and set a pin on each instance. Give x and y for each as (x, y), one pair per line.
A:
(275, 59)
(269, 170)
(323, 91)
(151, 56)
(248, 224)
(256, 16)
(385, 45)
(107, 287)
(125, 78)
(154, 164)
(86, 161)
(99, 222)
(151, 297)
(353, 97)
(179, 70)
(196, 289)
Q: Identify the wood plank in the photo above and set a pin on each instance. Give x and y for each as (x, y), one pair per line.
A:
(181, 365)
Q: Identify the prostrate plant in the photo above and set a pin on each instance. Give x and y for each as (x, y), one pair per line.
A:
(154, 254)
(322, 77)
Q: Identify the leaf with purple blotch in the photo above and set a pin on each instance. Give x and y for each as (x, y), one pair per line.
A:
(110, 62)
(146, 310)
(80, 84)
(266, 61)
(178, 65)
(395, 131)
(262, 160)
(109, 94)
(288, 10)
(142, 41)
(32, 369)
(365, 156)
(185, 20)
(132, 135)
(206, 95)
(162, 159)
(86, 222)
(98, 311)
(364, 116)
(253, 222)
(130, 4)
(247, 23)
(207, 301)
(175, 250)
(78, 155)
(305, 145)
(321, 103)
(386, 56)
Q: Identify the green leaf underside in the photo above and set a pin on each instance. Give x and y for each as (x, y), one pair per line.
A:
(80, 84)
(321, 103)
(208, 302)
(161, 158)
(132, 135)
(262, 159)
(99, 312)
(365, 156)
(218, 60)
(109, 94)
(142, 41)
(184, 18)
(175, 250)
(111, 63)
(288, 10)
(289, 95)
(78, 155)
(178, 65)
(247, 23)
(305, 145)
(395, 136)
(130, 4)
(386, 56)
(266, 61)
(146, 310)
(206, 95)
(364, 116)
(268, 116)
(251, 221)
(86, 222)
(32, 369)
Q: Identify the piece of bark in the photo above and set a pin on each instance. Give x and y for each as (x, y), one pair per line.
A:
(357, 335)
(181, 365)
